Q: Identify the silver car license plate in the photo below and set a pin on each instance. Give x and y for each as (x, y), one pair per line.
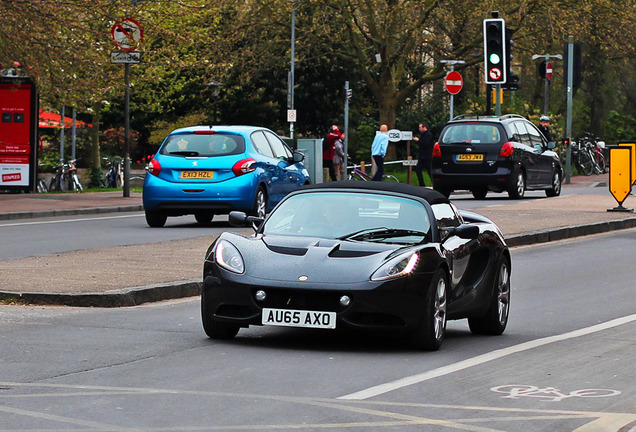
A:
(299, 318)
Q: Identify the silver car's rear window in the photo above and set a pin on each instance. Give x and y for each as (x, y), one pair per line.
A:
(203, 144)
(470, 132)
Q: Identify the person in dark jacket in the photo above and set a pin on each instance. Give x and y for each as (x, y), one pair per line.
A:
(544, 127)
(424, 154)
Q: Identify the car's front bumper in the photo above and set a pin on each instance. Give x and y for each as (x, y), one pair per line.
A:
(394, 304)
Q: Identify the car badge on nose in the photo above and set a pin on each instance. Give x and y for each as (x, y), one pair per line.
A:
(194, 163)
(302, 278)
(468, 150)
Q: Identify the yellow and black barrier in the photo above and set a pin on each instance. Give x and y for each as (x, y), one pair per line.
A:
(621, 173)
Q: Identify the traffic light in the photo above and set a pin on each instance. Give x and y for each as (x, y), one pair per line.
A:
(495, 56)
(576, 64)
(512, 84)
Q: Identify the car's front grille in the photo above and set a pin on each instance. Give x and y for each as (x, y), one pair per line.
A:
(302, 300)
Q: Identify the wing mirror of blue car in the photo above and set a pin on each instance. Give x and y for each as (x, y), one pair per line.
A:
(240, 219)
(297, 157)
(551, 145)
(466, 231)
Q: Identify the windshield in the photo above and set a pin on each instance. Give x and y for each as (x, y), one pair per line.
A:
(470, 133)
(203, 144)
(351, 216)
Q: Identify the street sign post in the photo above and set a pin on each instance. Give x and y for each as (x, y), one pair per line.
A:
(453, 81)
(127, 35)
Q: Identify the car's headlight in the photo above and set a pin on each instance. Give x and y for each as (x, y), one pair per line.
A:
(396, 267)
(227, 256)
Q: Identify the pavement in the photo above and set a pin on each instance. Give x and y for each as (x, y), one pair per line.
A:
(119, 276)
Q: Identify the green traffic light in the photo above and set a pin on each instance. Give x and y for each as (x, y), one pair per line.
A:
(494, 58)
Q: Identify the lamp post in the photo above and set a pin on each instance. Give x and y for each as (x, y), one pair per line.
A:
(290, 100)
(216, 89)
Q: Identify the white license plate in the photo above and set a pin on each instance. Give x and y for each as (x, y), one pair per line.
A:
(299, 318)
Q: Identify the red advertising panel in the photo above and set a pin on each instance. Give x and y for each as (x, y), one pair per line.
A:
(18, 134)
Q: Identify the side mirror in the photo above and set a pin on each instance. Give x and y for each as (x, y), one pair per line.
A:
(551, 145)
(241, 220)
(465, 231)
(297, 157)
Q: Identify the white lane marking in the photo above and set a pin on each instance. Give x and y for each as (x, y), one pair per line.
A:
(70, 220)
(484, 358)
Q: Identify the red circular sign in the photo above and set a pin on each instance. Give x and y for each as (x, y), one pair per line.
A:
(548, 71)
(495, 74)
(453, 82)
(127, 34)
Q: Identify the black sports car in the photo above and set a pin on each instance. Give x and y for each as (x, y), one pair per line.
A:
(367, 255)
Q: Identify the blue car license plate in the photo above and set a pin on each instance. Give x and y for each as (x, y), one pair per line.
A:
(197, 174)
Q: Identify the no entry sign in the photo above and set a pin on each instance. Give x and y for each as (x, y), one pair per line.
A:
(453, 82)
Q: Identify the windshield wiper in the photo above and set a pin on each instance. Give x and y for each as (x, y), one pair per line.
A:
(381, 233)
(185, 153)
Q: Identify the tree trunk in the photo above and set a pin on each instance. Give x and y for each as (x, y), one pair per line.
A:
(95, 164)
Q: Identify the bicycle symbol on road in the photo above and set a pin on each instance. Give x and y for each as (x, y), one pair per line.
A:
(550, 394)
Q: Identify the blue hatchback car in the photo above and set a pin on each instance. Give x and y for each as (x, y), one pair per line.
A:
(208, 170)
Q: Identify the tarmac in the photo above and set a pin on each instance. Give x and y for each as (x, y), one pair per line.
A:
(119, 276)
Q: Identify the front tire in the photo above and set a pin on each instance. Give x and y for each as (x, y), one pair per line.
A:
(215, 329)
(496, 319)
(429, 334)
(555, 190)
(260, 203)
(155, 219)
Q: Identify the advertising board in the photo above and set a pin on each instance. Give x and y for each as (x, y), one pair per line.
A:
(18, 134)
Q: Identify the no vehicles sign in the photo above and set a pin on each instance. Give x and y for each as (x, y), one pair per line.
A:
(127, 34)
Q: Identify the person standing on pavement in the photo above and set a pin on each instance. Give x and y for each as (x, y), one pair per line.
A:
(544, 127)
(339, 157)
(378, 151)
(328, 145)
(424, 153)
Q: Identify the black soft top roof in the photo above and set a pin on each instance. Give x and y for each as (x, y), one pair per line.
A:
(430, 195)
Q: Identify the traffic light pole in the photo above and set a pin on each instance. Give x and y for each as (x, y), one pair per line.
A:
(498, 99)
(568, 116)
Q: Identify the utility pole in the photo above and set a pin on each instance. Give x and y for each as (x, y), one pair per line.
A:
(290, 102)
(348, 94)
(568, 116)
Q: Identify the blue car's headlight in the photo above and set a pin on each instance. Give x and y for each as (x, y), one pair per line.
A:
(227, 256)
(396, 267)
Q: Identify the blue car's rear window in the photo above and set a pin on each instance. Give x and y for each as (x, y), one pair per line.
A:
(206, 145)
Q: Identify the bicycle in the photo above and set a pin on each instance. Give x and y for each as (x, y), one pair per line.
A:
(597, 148)
(114, 176)
(358, 174)
(41, 186)
(65, 177)
(582, 157)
